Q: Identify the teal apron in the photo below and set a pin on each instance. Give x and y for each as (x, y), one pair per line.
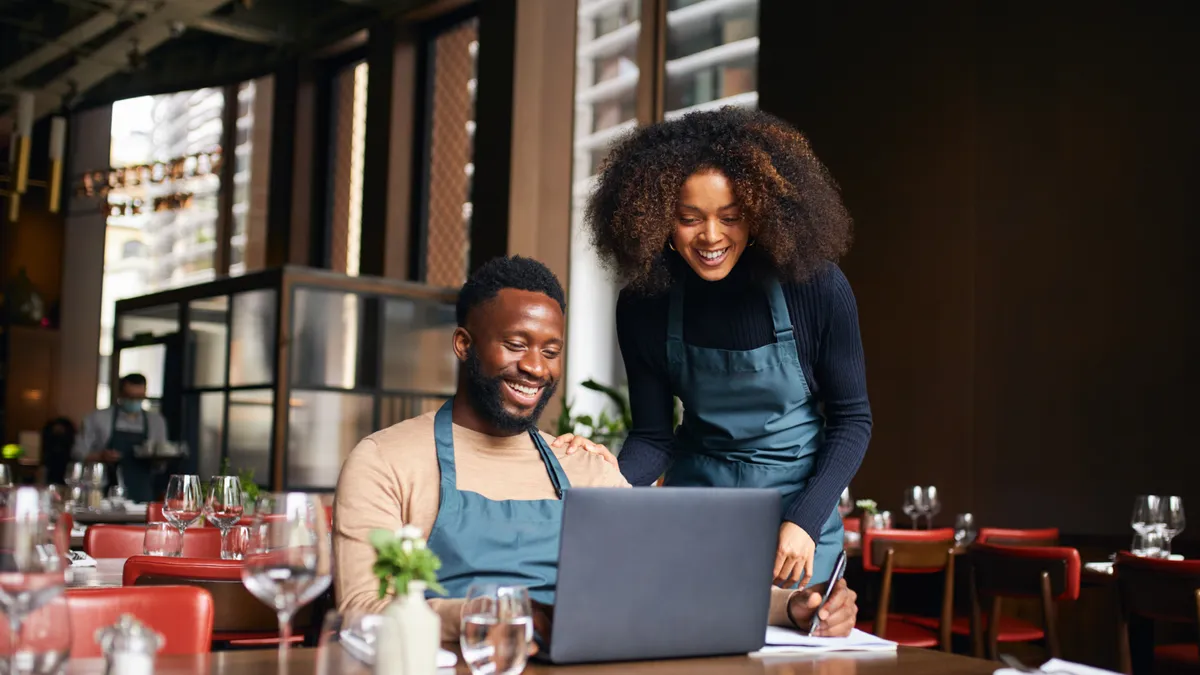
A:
(139, 486)
(749, 419)
(480, 540)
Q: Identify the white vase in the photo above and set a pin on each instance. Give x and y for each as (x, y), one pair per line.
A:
(408, 639)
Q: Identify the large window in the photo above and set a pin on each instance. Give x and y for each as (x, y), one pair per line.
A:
(698, 54)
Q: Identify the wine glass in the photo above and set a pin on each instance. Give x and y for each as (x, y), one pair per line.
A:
(224, 505)
(845, 503)
(933, 505)
(73, 479)
(93, 484)
(914, 503)
(497, 629)
(1173, 520)
(1147, 513)
(32, 567)
(288, 561)
(43, 642)
(964, 529)
(184, 505)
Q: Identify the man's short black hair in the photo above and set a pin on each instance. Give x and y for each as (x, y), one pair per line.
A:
(522, 274)
(136, 379)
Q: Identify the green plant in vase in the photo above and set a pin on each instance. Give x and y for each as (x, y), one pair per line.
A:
(402, 558)
(408, 639)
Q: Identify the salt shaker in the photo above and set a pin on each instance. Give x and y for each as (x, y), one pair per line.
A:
(129, 647)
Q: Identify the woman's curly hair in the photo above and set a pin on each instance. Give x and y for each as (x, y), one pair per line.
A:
(788, 198)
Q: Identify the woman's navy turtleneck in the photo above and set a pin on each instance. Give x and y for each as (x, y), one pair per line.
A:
(734, 314)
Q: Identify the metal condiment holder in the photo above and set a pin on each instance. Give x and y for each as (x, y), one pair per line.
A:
(129, 647)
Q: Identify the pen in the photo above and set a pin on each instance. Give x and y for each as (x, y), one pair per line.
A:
(839, 569)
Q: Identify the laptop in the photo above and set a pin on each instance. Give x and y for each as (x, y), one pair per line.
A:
(658, 573)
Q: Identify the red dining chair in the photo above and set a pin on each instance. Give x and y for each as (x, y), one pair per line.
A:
(1050, 574)
(123, 541)
(910, 552)
(1158, 590)
(183, 615)
(852, 524)
(240, 619)
(1002, 537)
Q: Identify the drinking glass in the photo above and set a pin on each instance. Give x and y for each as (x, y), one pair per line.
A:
(964, 529)
(497, 629)
(1149, 544)
(93, 484)
(43, 642)
(1147, 513)
(32, 568)
(184, 505)
(933, 505)
(162, 539)
(845, 503)
(73, 479)
(1173, 520)
(288, 561)
(234, 542)
(224, 505)
(915, 503)
(5, 476)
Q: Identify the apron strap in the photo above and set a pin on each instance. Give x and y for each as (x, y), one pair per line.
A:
(558, 477)
(675, 313)
(443, 437)
(779, 312)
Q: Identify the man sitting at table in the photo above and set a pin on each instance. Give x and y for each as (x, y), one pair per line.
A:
(470, 485)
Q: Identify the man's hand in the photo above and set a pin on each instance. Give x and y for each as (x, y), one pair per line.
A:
(543, 620)
(837, 616)
(794, 559)
(574, 444)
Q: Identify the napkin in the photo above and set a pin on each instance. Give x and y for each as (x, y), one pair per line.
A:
(363, 648)
(1060, 666)
(80, 559)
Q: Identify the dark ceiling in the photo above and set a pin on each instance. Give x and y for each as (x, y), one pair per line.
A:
(77, 53)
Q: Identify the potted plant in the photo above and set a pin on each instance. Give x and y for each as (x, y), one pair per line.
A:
(875, 519)
(410, 635)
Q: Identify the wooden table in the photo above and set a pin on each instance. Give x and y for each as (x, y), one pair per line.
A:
(106, 574)
(905, 661)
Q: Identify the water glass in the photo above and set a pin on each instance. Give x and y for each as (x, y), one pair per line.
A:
(184, 505)
(964, 529)
(234, 541)
(878, 521)
(32, 577)
(162, 539)
(845, 503)
(5, 476)
(497, 629)
(41, 642)
(1149, 544)
(289, 559)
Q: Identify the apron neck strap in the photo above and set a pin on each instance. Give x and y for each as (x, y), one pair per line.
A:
(675, 313)
(780, 319)
(443, 436)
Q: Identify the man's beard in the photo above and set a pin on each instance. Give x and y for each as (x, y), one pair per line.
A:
(484, 394)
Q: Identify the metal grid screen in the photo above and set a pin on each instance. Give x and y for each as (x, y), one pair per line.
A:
(451, 147)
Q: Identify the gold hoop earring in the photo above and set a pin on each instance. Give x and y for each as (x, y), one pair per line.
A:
(670, 244)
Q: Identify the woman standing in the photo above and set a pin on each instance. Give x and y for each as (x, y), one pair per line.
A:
(725, 228)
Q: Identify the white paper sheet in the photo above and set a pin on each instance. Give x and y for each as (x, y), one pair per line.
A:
(1060, 666)
(788, 641)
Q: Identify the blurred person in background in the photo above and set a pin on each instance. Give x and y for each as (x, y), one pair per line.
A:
(111, 434)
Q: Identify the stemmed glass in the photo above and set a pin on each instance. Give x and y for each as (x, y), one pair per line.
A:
(184, 505)
(933, 505)
(73, 479)
(288, 560)
(964, 529)
(1173, 520)
(845, 503)
(32, 576)
(497, 629)
(915, 503)
(224, 507)
(93, 484)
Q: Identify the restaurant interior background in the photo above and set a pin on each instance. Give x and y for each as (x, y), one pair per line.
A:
(1022, 178)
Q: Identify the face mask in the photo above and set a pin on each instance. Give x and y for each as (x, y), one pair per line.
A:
(131, 406)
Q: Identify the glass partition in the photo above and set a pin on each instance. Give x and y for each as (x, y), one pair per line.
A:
(358, 354)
